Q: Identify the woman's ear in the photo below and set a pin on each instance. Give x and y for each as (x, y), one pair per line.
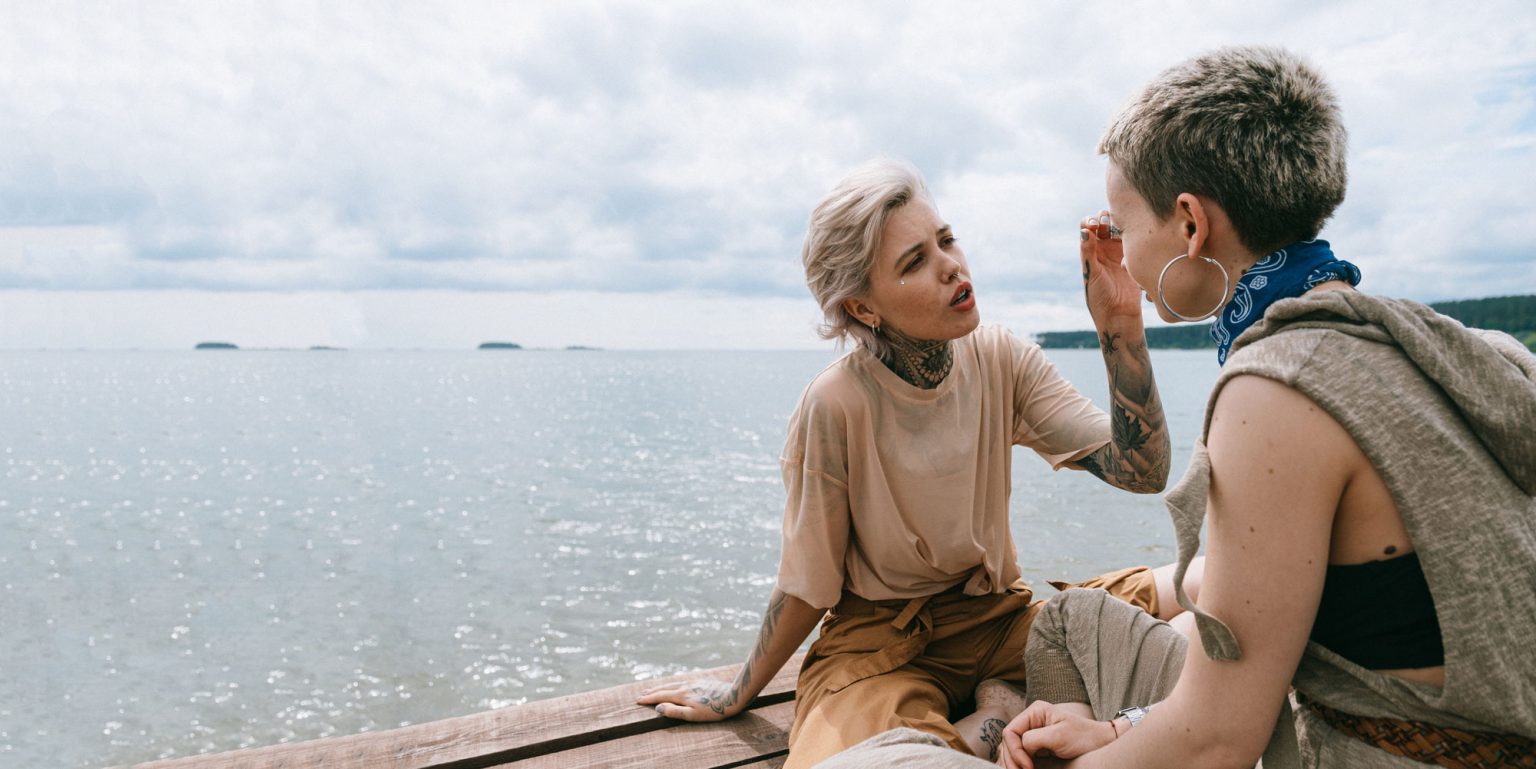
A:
(1193, 221)
(862, 312)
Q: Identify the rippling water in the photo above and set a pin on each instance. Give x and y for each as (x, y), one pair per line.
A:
(204, 551)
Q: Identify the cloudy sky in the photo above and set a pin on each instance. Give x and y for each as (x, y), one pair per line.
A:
(638, 175)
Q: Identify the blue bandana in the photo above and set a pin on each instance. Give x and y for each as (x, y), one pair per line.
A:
(1291, 271)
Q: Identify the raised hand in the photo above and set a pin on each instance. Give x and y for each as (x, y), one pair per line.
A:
(1109, 289)
(1136, 459)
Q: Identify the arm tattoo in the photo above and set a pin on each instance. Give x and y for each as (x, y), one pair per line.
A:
(721, 700)
(992, 735)
(1136, 458)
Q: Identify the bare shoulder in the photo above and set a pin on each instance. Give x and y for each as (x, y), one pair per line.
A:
(1264, 422)
(1254, 404)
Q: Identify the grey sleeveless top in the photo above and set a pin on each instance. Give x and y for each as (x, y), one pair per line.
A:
(1447, 416)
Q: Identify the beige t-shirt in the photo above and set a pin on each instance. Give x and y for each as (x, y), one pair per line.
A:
(899, 492)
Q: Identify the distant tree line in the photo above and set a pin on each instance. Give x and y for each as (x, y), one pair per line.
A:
(1186, 337)
(1513, 314)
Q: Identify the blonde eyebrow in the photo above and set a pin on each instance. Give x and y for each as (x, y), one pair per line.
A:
(916, 247)
(901, 258)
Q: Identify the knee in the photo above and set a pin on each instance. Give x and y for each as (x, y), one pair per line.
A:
(1050, 627)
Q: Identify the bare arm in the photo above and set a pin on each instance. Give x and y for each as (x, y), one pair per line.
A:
(1167, 600)
(1279, 465)
(786, 623)
(1136, 457)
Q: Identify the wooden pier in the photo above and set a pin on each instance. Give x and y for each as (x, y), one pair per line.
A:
(594, 729)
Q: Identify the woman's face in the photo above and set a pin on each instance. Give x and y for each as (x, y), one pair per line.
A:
(1192, 286)
(919, 283)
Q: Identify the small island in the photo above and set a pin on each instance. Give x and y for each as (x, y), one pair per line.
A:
(500, 346)
(216, 346)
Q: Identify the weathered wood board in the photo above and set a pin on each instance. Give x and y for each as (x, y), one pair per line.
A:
(593, 729)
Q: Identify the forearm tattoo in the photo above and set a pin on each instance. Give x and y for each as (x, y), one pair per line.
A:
(1136, 458)
(992, 735)
(722, 699)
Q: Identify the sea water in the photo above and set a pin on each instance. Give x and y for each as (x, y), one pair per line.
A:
(203, 551)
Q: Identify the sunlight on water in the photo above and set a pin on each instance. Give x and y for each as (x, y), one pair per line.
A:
(208, 551)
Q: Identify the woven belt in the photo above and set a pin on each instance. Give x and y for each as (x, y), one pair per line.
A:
(1432, 744)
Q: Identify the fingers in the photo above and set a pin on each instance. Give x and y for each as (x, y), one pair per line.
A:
(1006, 759)
(1038, 714)
(678, 712)
(1033, 717)
(661, 694)
(1100, 226)
(1011, 736)
(668, 701)
(1020, 758)
(1046, 738)
(1101, 247)
(1062, 739)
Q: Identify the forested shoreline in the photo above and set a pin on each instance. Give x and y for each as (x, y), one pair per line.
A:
(1513, 314)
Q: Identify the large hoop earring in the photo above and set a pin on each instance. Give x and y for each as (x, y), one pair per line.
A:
(1226, 284)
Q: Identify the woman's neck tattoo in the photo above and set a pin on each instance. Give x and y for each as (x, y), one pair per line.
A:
(919, 362)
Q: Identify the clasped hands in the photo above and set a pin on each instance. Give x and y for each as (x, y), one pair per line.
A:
(1047, 734)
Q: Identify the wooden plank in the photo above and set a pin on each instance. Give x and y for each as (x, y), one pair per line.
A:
(554, 725)
(484, 739)
(741, 741)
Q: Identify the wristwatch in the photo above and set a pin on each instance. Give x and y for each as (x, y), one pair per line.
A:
(1134, 715)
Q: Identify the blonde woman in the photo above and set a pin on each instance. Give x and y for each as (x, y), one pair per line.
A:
(898, 471)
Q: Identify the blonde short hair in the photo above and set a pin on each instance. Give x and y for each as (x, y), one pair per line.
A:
(1254, 128)
(843, 235)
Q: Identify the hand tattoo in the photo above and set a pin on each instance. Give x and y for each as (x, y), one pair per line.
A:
(716, 697)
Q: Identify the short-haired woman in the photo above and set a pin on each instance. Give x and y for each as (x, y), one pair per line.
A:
(898, 471)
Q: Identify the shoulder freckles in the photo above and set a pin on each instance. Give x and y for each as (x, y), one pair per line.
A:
(1250, 396)
(1251, 407)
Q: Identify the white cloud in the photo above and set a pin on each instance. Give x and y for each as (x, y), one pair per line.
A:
(676, 148)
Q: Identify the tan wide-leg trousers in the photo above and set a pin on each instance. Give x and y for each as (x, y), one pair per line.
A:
(881, 665)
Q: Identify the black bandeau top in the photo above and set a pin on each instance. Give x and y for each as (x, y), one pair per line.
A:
(1380, 615)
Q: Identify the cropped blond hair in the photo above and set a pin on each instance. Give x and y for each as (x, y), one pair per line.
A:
(1254, 128)
(842, 238)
